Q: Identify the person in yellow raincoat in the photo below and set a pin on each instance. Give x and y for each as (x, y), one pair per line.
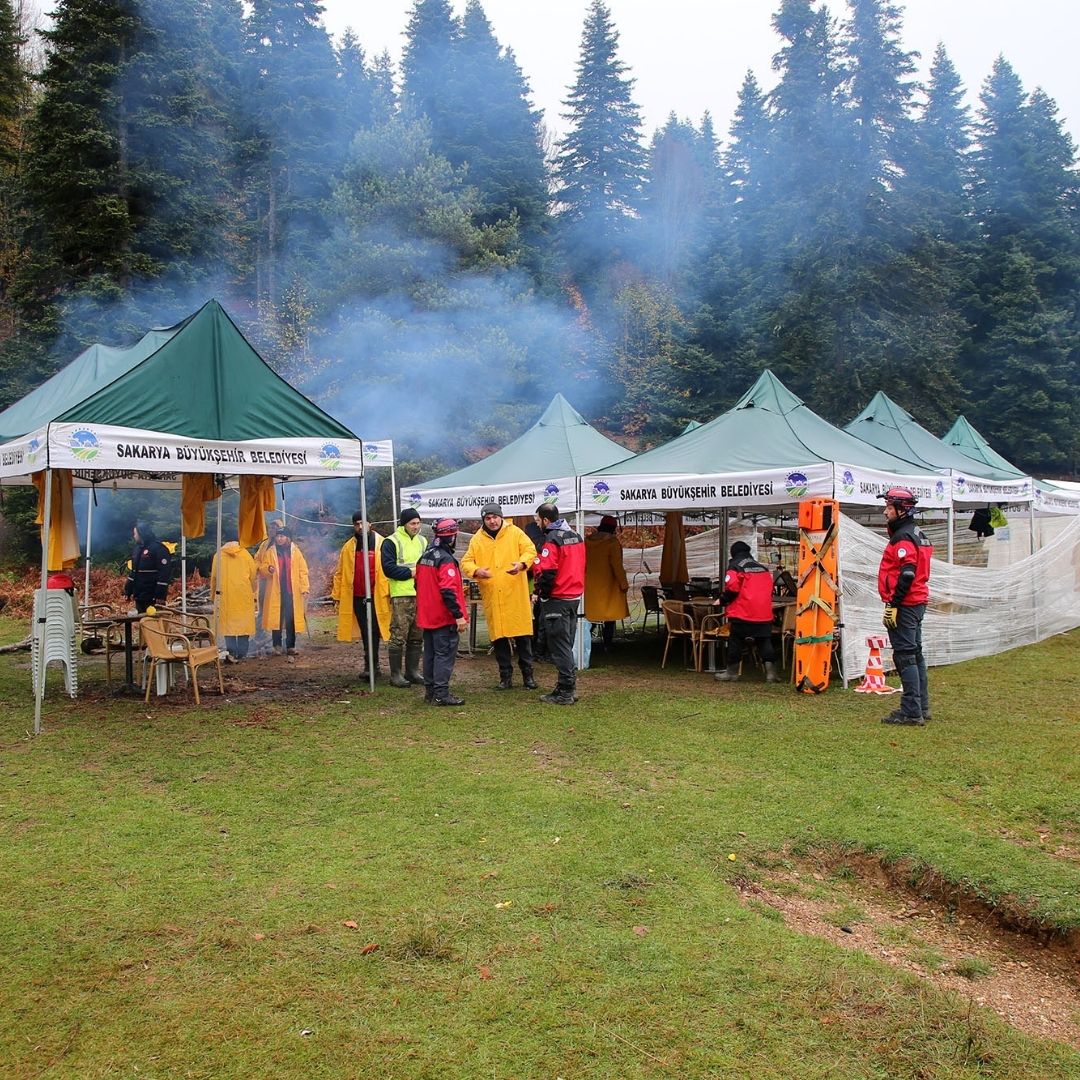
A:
(285, 570)
(605, 579)
(351, 597)
(232, 584)
(262, 629)
(497, 560)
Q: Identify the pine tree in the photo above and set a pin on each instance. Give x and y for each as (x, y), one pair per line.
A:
(14, 108)
(601, 163)
(357, 86)
(429, 73)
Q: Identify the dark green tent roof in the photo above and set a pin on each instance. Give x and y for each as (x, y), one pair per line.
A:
(199, 379)
(887, 426)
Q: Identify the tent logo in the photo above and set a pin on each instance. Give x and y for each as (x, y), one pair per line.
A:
(600, 492)
(939, 491)
(84, 445)
(847, 482)
(416, 499)
(551, 492)
(797, 484)
(32, 451)
(961, 485)
(329, 456)
(371, 452)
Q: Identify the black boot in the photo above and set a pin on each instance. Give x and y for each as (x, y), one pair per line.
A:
(396, 679)
(412, 663)
(898, 716)
(562, 695)
(730, 675)
(772, 672)
(506, 680)
(527, 679)
(447, 699)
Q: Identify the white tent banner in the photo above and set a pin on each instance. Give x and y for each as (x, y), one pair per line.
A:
(515, 499)
(378, 453)
(855, 484)
(1056, 502)
(98, 446)
(973, 489)
(691, 491)
(23, 455)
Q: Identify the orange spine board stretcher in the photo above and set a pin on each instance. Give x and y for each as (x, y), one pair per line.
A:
(816, 605)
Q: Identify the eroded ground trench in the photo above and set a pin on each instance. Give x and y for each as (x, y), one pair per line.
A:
(999, 959)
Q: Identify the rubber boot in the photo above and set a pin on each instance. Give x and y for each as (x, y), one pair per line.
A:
(527, 677)
(396, 678)
(506, 679)
(772, 671)
(412, 663)
(730, 675)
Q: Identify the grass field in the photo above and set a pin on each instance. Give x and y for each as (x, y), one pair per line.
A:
(322, 884)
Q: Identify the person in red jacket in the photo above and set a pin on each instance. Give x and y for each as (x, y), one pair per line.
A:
(440, 612)
(904, 588)
(560, 581)
(747, 595)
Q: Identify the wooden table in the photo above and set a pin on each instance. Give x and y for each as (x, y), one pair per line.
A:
(128, 621)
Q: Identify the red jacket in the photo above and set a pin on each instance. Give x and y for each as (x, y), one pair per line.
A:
(752, 586)
(907, 546)
(440, 596)
(560, 564)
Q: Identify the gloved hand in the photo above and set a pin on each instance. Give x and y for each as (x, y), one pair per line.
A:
(889, 618)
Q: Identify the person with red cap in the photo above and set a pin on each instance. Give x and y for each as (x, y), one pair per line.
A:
(440, 612)
(605, 579)
(904, 588)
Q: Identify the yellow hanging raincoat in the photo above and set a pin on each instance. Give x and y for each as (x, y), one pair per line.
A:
(342, 591)
(271, 619)
(64, 549)
(234, 568)
(507, 608)
(605, 579)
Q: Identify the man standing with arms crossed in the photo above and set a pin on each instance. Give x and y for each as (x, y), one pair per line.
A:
(903, 585)
(398, 556)
(440, 612)
(560, 581)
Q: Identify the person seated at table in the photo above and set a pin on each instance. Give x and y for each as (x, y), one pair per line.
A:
(232, 585)
(151, 569)
(747, 597)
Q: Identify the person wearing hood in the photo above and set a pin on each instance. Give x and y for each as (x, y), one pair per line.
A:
(285, 570)
(262, 631)
(232, 585)
(748, 588)
(151, 569)
(605, 579)
(398, 556)
(440, 612)
(904, 588)
(560, 581)
(498, 560)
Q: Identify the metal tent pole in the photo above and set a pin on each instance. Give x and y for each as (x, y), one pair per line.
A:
(369, 606)
(90, 495)
(43, 609)
(217, 555)
(393, 495)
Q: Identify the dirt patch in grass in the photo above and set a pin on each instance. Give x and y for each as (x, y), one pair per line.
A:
(915, 921)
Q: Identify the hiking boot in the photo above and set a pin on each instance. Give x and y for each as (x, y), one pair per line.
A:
(529, 682)
(560, 697)
(506, 682)
(448, 699)
(898, 717)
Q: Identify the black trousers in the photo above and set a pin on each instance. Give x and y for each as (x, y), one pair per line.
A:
(505, 657)
(287, 623)
(440, 654)
(560, 619)
(906, 641)
(741, 630)
(371, 648)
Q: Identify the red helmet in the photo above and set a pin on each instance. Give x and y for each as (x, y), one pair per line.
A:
(900, 497)
(445, 527)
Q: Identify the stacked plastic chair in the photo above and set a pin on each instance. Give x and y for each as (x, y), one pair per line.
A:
(58, 640)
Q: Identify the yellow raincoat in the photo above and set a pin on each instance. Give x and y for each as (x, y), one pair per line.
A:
(236, 605)
(271, 619)
(507, 608)
(605, 579)
(347, 630)
(64, 549)
(197, 489)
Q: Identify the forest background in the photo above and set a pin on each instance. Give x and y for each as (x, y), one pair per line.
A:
(410, 246)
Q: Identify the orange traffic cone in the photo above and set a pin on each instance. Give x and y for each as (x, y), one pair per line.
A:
(874, 680)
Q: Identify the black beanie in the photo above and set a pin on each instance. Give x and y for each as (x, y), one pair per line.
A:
(740, 547)
(408, 514)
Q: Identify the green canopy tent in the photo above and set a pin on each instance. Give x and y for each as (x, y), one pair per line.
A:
(770, 449)
(541, 465)
(191, 398)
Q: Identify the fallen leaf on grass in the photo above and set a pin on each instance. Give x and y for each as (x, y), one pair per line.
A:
(485, 972)
(351, 924)
(259, 937)
(369, 948)
(641, 931)
(503, 904)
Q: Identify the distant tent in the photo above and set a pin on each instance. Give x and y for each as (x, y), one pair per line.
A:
(887, 426)
(770, 449)
(970, 443)
(541, 465)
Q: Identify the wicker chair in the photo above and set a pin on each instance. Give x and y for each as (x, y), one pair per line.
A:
(168, 642)
(680, 624)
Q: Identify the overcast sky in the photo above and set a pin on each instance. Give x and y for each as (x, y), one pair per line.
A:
(689, 56)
